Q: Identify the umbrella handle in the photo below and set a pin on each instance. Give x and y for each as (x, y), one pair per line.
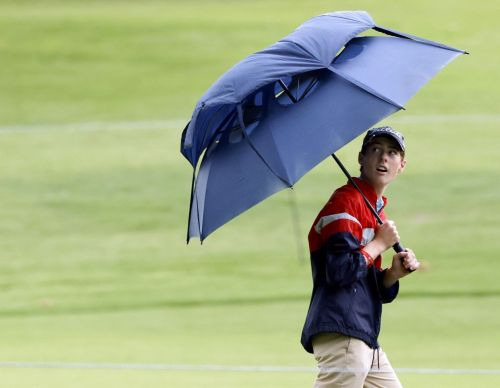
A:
(398, 248)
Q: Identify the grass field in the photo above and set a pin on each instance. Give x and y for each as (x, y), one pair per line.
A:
(94, 197)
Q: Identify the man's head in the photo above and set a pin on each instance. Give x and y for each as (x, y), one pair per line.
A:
(382, 157)
(388, 132)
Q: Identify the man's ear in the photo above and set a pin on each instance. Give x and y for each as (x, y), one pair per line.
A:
(361, 159)
(402, 166)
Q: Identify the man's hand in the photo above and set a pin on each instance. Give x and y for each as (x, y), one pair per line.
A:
(402, 264)
(386, 235)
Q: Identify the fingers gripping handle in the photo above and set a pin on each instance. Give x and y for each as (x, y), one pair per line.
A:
(399, 248)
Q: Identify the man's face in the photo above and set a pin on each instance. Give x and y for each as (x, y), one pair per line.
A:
(381, 162)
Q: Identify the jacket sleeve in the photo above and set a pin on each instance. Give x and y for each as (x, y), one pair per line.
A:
(387, 295)
(344, 264)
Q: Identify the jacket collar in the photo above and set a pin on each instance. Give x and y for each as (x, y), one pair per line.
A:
(369, 192)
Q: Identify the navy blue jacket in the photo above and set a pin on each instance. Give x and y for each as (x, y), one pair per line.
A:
(347, 295)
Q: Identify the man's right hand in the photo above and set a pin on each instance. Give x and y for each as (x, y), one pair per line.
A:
(387, 234)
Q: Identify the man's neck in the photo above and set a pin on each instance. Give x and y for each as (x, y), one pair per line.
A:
(379, 190)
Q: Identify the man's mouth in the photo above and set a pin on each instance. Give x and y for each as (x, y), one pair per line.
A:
(382, 169)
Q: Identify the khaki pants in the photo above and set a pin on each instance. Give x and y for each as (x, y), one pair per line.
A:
(349, 362)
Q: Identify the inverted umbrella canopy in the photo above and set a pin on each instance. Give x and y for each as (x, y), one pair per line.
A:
(278, 113)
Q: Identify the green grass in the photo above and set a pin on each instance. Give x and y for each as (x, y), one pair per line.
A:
(94, 265)
(73, 60)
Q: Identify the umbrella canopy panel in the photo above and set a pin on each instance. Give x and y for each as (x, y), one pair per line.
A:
(395, 68)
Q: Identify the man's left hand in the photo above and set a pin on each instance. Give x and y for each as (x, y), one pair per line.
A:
(403, 263)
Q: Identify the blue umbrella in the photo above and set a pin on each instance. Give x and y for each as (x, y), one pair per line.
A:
(279, 112)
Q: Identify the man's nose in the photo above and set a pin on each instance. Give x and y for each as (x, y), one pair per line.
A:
(383, 155)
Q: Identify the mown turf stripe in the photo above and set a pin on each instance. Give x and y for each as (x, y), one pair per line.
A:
(228, 302)
(97, 126)
(226, 368)
(180, 123)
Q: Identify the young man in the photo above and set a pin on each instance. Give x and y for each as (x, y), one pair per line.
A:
(349, 284)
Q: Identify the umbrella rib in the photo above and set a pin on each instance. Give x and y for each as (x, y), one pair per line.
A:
(190, 204)
(399, 34)
(309, 87)
(365, 87)
(287, 91)
(247, 138)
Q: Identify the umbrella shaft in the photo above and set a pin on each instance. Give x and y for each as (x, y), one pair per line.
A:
(397, 247)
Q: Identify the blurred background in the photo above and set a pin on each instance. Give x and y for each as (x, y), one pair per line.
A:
(98, 287)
